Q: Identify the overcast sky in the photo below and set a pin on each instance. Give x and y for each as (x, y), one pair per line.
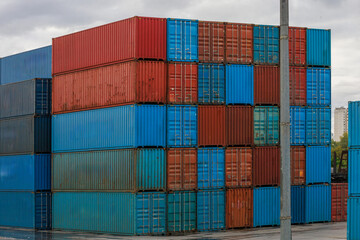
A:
(28, 24)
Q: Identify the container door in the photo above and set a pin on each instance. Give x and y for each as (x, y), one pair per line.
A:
(175, 119)
(189, 128)
(217, 84)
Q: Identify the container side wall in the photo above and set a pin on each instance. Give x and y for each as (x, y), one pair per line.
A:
(354, 124)
(211, 125)
(353, 231)
(266, 166)
(239, 126)
(317, 203)
(353, 170)
(297, 204)
(239, 84)
(318, 43)
(318, 164)
(266, 206)
(266, 85)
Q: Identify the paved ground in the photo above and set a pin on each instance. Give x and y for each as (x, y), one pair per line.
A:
(320, 231)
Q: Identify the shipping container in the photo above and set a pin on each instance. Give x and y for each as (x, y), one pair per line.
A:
(182, 40)
(127, 126)
(354, 124)
(211, 41)
(211, 83)
(182, 126)
(238, 167)
(26, 65)
(266, 206)
(266, 44)
(297, 125)
(353, 230)
(339, 195)
(318, 85)
(211, 210)
(128, 39)
(181, 169)
(318, 126)
(110, 212)
(110, 170)
(182, 85)
(297, 204)
(318, 164)
(239, 81)
(266, 125)
(25, 135)
(113, 85)
(239, 126)
(298, 165)
(353, 171)
(181, 211)
(211, 125)
(266, 85)
(297, 81)
(318, 47)
(25, 210)
(239, 208)
(239, 43)
(32, 97)
(25, 172)
(317, 203)
(266, 166)
(211, 168)
(297, 46)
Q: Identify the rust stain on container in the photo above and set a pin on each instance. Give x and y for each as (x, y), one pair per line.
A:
(298, 165)
(238, 167)
(266, 85)
(239, 43)
(266, 166)
(297, 46)
(211, 41)
(239, 126)
(211, 125)
(339, 195)
(239, 208)
(297, 81)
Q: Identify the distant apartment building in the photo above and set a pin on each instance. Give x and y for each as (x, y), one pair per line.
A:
(340, 122)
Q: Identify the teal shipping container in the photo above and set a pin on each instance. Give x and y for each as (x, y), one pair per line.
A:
(354, 124)
(266, 125)
(211, 83)
(211, 210)
(266, 44)
(317, 203)
(297, 204)
(353, 218)
(266, 206)
(354, 170)
(318, 47)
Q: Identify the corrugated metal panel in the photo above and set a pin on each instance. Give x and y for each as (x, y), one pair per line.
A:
(238, 167)
(25, 172)
(297, 204)
(239, 208)
(297, 125)
(354, 170)
(298, 165)
(211, 125)
(318, 84)
(115, 170)
(239, 43)
(318, 126)
(318, 164)
(266, 85)
(297, 46)
(32, 97)
(211, 168)
(354, 124)
(25, 210)
(26, 65)
(211, 41)
(318, 47)
(181, 126)
(339, 195)
(239, 84)
(239, 126)
(211, 210)
(266, 206)
(297, 81)
(127, 126)
(266, 44)
(181, 211)
(317, 203)
(353, 222)
(211, 83)
(266, 125)
(182, 40)
(266, 166)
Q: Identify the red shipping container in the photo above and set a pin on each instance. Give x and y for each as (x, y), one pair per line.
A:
(297, 82)
(297, 46)
(239, 43)
(239, 208)
(211, 125)
(298, 165)
(339, 195)
(112, 85)
(239, 126)
(266, 166)
(211, 41)
(181, 169)
(132, 38)
(266, 85)
(182, 82)
(238, 167)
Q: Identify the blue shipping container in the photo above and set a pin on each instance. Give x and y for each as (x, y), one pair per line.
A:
(353, 218)
(211, 83)
(297, 204)
(266, 206)
(129, 126)
(211, 168)
(318, 164)
(354, 170)
(318, 126)
(25, 210)
(354, 124)
(25, 172)
(318, 47)
(317, 203)
(210, 210)
(181, 126)
(26, 65)
(266, 44)
(239, 84)
(318, 87)
(297, 125)
(182, 40)
(266, 125)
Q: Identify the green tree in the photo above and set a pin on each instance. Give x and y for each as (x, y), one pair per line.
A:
(338, 147)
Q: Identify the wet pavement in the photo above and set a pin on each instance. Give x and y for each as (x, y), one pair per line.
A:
(319, 231)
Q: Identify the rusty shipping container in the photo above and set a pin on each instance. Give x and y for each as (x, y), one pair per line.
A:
(298, 165)
(211, 125)
(266, 85)
(113, 85)
(239, 208)
(211, 37)
(181, 169)
(339, 195)
(297, 46)
(266, 166)
(132, 38)
(239, 126)
(238, 167)
(239, 43)
(182, 82)
(297, 82)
